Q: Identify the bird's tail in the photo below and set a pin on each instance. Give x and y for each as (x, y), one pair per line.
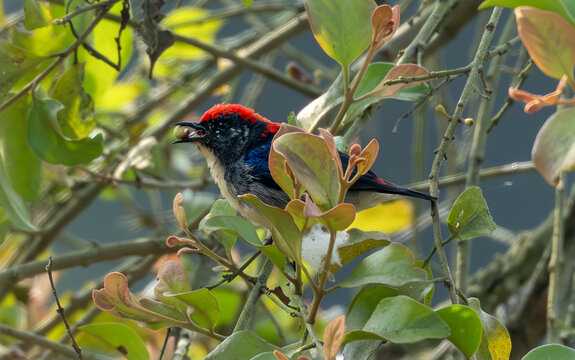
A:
(389, 188)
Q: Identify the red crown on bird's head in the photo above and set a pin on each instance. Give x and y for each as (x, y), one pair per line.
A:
(246, 114)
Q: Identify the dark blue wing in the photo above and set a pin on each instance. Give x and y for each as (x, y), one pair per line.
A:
(257, 159)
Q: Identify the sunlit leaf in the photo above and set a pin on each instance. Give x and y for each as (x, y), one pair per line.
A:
(550, 351)
(15, 62)
(35, 15)
(119, 95)
(12, 203)
(186, 21)
(469, 217)
(120, 338)
(25, 179)
(392, 266)
(495, 341)
(397, 214)
(243, 344)
(99, 76)
(465, 325)
(561, 7)
(401, 319)
(554, 147)
(341, 27)
(311, 161)
(555, 58)
(77, 117)
(47, 140)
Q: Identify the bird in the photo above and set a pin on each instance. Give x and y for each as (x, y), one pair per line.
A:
(236, 142)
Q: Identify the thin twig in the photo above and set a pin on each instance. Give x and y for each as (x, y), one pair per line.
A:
(449, 136)
(31, 338)
(521, 77)
(80, 10)
(60, 310)
(163, 349)
(259, 288)
(477, 151)
(85, 257)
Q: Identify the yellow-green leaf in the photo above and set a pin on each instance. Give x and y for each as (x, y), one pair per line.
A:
(341, 27)
(35, 15)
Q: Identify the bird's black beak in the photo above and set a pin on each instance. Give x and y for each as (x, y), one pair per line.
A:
(188, 132)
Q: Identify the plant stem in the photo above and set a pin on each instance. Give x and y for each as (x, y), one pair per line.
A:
(478, 147)
(556, 266)
(309, 326)
(448, 137)
(252, 301)
(347, 101)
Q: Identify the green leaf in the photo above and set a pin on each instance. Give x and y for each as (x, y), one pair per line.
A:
(401, 320)
(47, 140)
(162, 309)
(391, 266)
(358, 242)
(554, 148)
(230, 302)
(244, 345)
(311, 161)
(236, 225)
(469, 217)
(561, 7)
(13, 205)
(285, 232)
(26, 180)
(35, 16)
(495, 342)
(120, 338)
(465, 325)
(15, 62)
(341, 27)
(548, 38)
(364, 303)
(206, 311)
(550, 352)
(77, 118)
(375, 74)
